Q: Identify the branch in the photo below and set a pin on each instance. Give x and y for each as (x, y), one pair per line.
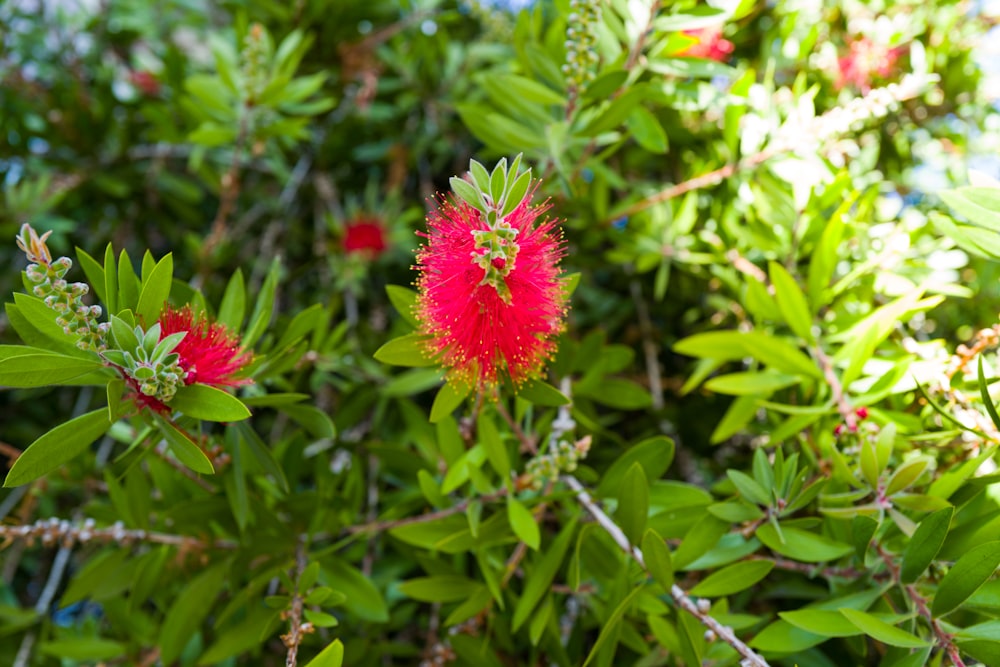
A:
(920, 602)
(60, 531)
(381, 526)
(296, 628)
(726, 634)
(837, 390)
(793, 136)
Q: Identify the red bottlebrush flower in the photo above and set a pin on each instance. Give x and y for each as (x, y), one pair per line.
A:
(209, 354)
(146, 82)
(480, 330)
(862, 413)
(711, 44)
(865, 60)
(364, 236)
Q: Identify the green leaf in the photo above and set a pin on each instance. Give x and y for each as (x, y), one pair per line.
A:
(264, 307)
(314, 420)
(155, 291)
(824, 258)
(881, 631)
(539, 579)
(233, 308)
(542, 394)
(110, 295)
(523, 523)
(619, 393)
(862, 530)
(83, 648)
(58, 446)
(647, 131)
(984, 392)
(189, 609)
(963, 579)
(525, 88)
(363, 598)
(43, 332)
(496, 452)
(751, 383)
(404, 300)
(128, 284)
(791, 301)
(906, 474)
(41, 370)
(610, 627)
(924, 544)
(801, 545)
(823, 622)
(654, 454)
(449, 397)
(656, 554)
(979, 205)
(466, 191)
(186, 451)
(331, 656)
(439, 588)
(633, 503)
(405, 351)
(209, 403)
(733, 578)
(95, 275)
(749, 488)
(737, 416)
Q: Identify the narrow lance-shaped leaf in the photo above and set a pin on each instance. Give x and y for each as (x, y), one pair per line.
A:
(58, 446)
(927, 540)
(965, 577)
(984, 391)
(633, 503)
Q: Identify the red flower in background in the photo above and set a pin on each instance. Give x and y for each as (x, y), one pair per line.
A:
(146, 82)
(711, 44)
(475, 332)
(364, 236)
(209, 354)
(865, 60)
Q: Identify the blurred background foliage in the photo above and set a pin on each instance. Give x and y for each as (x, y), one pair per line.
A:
(677, 147)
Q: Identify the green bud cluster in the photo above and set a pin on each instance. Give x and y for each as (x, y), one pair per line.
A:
(563, 457)
(152, 362)
(497, 250)
(255, 55)
(495, 195)
(581, 42)
(65, 298)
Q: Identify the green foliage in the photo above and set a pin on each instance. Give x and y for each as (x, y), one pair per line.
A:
(768, 433)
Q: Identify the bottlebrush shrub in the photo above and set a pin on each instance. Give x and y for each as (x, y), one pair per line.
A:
(739, 431)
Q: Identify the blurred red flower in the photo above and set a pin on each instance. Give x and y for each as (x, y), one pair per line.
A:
(364, 236)
(711, 44)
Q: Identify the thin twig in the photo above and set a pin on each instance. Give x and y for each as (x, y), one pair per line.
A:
(726, 634)
(822, 128)
(649, 347)
(944, 639)
(836, 389)
(527, 443)
(161, 451)
(296, 629)
(382, 526)
(60, 531)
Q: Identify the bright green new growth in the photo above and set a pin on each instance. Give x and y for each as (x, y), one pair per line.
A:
(495, 195)
(48, 277)
(152, 362)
